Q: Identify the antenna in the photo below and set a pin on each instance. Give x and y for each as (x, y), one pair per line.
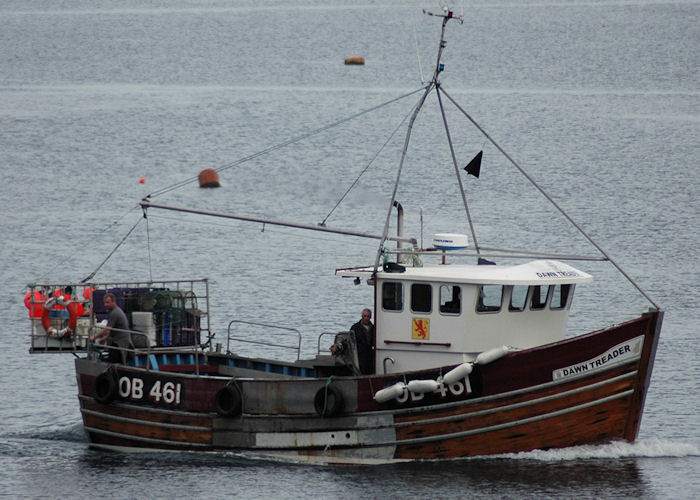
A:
(420, 66)
(446, 13)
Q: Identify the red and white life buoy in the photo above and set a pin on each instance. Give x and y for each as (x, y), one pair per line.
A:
(72, 308)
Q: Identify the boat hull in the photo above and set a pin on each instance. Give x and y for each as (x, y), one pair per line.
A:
(585, 390)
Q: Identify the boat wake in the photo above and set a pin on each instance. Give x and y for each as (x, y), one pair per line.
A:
(71, 432)
(643, 448)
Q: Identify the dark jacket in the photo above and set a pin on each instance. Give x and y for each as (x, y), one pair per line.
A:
(365, 347)
(118, 320)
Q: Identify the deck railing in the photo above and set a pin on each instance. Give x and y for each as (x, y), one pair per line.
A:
(230, 337)
(95, 350)
(176, 313)
(326, 348)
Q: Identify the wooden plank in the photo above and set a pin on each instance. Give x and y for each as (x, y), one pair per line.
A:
(510, 412)
(154, 414)
(147, 429)
(591, 425)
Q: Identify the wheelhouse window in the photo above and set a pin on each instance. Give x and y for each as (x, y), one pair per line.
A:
(518, 298)
(450, 299)
(560, 296)
(392, 296)
(421, 297)
(490, 298)
(539, 297)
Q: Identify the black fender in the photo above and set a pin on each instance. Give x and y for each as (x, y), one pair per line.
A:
(228, 401)
(104, 388)
(328, 401)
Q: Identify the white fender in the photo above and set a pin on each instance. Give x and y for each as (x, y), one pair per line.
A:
(457, 373)
(389, 393)
(491, 355)
(421, 386)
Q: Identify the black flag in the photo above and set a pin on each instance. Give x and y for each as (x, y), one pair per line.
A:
(474, 166)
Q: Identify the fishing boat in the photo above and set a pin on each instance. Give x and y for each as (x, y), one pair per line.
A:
(463, 359)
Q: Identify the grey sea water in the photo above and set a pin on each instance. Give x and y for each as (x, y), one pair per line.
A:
(598, 101)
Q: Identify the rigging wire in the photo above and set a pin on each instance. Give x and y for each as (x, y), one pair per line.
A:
(283, 144)
(407, 140)
(552, 201)
(148, 245)
(92, 274)
(70, 258)
(391, 136)
(454, 162)
(243, 160)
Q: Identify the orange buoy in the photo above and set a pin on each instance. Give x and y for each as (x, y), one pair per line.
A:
(208, 178)
(355, 60)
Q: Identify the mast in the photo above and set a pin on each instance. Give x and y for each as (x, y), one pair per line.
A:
(434, 83)
(447, 15)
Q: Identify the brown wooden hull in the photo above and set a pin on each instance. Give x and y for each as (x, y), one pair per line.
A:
(585, 390)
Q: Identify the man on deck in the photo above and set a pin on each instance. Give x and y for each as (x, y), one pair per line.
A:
(364, 338)
(116, 333)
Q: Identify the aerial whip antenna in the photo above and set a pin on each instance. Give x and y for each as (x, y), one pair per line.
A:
(420, 66)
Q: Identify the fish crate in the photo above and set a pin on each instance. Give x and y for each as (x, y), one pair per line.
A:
(190, 332)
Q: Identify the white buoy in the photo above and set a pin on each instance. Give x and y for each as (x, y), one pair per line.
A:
(422, 386)
(457, 373)
(391, 392)
(491, 355)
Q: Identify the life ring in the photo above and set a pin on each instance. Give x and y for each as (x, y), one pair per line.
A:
(45, 321)
(104, 388)
(72, 308)
(328, 401)
(228, 402)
